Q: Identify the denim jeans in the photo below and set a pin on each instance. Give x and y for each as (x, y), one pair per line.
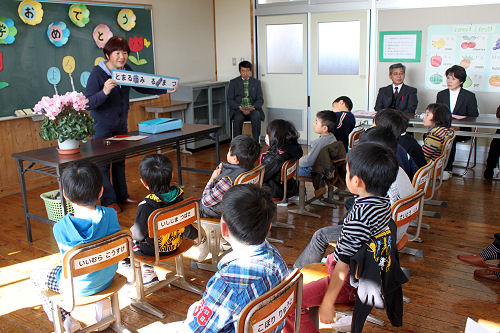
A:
(316, 248)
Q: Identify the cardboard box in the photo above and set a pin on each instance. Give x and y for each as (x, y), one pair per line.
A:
(159, 125)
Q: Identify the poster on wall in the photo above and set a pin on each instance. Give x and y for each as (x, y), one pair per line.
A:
(400, 46)
(476, 47)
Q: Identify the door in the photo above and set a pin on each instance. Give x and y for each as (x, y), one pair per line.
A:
(338, 60)
(282, 62)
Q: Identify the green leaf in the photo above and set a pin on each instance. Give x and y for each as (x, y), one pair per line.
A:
(133, 60)
(3, 85)
(142, 62)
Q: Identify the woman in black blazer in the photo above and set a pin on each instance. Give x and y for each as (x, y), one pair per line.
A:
(462, 105)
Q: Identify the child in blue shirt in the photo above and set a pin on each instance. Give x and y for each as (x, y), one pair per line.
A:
(251, 269)
(82, 185)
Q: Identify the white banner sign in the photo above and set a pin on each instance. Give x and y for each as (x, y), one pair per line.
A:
(99, 257)
(144, 80)
(176, 219)
(275, 317)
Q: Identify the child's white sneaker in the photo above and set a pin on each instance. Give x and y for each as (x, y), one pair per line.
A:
(203, 249)
(71, 325)
(283, 204)
(102, 310)
(343, 324)
(148, 276)
(446, 175)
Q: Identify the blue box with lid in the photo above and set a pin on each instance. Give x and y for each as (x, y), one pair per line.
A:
(159, 125)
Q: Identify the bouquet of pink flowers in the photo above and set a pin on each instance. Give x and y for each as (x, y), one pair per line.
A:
(65, 118)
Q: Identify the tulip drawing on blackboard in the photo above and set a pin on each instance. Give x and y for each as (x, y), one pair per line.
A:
(136, 44)
(2, 83)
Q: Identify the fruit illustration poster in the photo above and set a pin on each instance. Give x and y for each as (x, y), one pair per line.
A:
(476, 47)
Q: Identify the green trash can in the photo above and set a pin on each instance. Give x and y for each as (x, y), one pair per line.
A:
(53, 205)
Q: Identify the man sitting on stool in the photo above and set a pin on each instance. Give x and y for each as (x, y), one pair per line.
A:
(245, 100)
(397, 95)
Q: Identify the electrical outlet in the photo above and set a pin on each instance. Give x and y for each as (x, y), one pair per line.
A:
(234, 61)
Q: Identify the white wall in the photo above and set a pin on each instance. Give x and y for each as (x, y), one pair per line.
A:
(233, 36)
(183, 38)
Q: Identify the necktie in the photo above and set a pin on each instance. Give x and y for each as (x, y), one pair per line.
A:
(395, 92)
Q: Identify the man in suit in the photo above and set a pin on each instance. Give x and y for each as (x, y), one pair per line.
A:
(397, 95)
(244, 97)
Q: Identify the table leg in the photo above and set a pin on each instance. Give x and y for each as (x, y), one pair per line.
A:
(178, 150)
(25, 201)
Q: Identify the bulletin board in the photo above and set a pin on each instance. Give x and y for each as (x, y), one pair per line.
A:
(25, 61)
(476, 47)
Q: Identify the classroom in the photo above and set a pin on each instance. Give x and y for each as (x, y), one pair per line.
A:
(305, 54)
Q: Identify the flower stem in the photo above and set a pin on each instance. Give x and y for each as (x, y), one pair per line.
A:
(137, 55)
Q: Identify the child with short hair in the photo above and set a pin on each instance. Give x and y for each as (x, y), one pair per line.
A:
(82, 185)
(241, 157)
(371, 169)
(251, 269)
(346, 121)
(438, 118)
(324, 125)
(281, 138)
(156, 173)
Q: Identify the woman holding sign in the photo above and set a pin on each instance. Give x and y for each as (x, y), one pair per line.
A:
(109, 105)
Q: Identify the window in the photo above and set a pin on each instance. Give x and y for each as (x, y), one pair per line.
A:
(338, 48)
(284, 44)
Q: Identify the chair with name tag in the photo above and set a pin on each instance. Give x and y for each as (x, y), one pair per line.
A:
(267, 312)
(161, 222)
(212, 226)
(85, 259)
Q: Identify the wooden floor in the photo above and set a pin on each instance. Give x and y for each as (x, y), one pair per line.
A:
(442, 289)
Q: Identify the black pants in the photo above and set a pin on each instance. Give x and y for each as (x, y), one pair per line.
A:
(494, 153)
(239, 118)
(458, 138)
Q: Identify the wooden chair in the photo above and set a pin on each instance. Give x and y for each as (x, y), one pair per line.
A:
(267, 312)
(404, 211)
(88, 258)
(316, 271)
(289, 170)
(161, 222)
(212, 226)
(421, 181)
(354, 137)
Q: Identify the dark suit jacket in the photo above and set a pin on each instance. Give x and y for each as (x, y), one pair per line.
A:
(407, 99)
(466, 102)
(235, 93)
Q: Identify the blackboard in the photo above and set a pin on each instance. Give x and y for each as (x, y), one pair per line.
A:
(27, 60)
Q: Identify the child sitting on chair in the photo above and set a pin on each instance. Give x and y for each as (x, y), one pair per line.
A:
(438, 118)
(82, 185)
(251, 269)
(371, 169)
(241, 157)
(156, 173)
(324, 125)
(342, 106)
(281, 138)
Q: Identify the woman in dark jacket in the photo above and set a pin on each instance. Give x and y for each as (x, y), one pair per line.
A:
(281, 138)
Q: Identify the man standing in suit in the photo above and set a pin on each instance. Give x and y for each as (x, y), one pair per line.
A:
(244, 97)
(397, 95)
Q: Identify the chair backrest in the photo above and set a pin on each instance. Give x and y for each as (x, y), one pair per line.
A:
(254, 176)
(172, 218)
(435, 176)
(354, 137)
(289, 170)
(266, 312)
(446, 151)
(422, 177)
(94, 256)
(406, 210)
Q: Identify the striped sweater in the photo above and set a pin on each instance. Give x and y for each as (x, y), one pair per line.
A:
(433, 142)
(368, 217)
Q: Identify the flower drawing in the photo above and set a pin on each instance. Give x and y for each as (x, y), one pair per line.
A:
(7, 30)
(3, 84)
(58, 33)
(30, 12)
(101, 35)
(126, 19)
(136, 44)
(79, 14)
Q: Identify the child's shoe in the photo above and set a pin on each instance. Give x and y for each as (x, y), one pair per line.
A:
(446, 175)
(71, 325)
(103, 310)
(203, 249)
(148, 276)
(283, 204)
(343, 324)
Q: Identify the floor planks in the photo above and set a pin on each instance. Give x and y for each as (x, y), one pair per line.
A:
(442, 289)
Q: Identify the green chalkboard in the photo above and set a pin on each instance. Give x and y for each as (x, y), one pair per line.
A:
(27, 60)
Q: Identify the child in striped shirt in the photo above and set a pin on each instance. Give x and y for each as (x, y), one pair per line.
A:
(371, 169)
(438, 118)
